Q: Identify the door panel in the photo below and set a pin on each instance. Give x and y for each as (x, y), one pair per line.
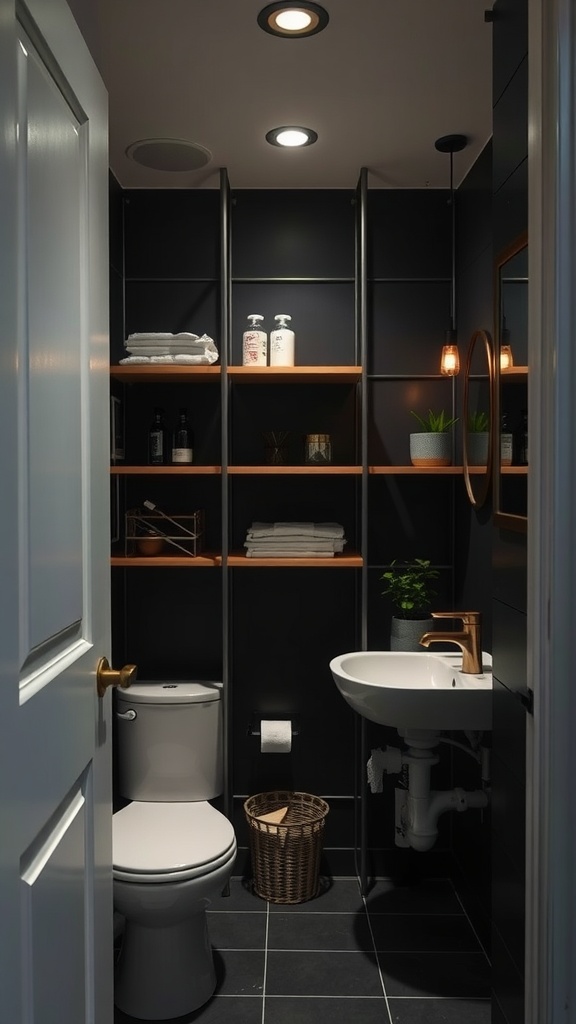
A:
(55, 898)
(55, 739)
(53, 163)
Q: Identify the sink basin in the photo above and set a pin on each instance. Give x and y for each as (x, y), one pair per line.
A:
(408, 690)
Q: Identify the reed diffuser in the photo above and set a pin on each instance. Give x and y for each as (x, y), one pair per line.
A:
(275, 447)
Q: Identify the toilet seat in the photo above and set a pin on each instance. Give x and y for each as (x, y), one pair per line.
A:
(169, 842)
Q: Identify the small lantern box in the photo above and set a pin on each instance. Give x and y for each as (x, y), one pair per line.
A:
(150, 532)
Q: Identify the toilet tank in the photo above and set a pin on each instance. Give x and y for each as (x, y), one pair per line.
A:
(169, 741)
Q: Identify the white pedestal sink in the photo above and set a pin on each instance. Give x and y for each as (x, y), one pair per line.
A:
(409, 691)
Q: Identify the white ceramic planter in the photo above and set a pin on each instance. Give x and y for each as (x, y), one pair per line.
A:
(429, 449)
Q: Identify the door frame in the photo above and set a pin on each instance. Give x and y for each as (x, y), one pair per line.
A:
(551, 747)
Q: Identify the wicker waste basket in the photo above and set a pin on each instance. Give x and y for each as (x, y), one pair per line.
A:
(286, 850)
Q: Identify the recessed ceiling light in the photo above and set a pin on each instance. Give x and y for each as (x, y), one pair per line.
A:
(293, 20)
(291, 136)
(169, 154)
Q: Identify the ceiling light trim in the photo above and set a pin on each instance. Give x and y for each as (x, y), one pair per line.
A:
(273, 136)
(267, 19)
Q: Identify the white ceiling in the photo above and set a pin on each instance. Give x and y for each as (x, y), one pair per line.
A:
(380, 84)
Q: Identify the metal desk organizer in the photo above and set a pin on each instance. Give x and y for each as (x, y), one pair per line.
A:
(184, 534)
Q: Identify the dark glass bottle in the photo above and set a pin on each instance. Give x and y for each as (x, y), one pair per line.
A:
(182, 441)
(506, 441)
(157, 439)
(522, 439)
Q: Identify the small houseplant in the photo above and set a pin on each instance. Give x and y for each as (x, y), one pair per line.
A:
(408, 584)
(478, 439)
(432, 445)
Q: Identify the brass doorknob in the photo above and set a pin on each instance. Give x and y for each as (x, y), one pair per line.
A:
(106, 676)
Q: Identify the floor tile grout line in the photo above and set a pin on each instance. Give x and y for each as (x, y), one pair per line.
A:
(375, 951)
(445, 999)
(476, 936)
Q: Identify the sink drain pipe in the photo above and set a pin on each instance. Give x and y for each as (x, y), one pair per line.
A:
(419, 807)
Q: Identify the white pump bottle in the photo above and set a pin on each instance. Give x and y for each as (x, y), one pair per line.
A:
(282, 342)
(254, 342)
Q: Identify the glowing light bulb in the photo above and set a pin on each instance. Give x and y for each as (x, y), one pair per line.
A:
(292, 137)
(506, 360)
(293, 20)
(450, 362)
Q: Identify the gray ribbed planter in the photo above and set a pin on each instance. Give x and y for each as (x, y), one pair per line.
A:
(429, 449)
(405, 633)
(477, 447)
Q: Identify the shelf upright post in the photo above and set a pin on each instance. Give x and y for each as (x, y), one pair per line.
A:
(225, 337)
(361, 290)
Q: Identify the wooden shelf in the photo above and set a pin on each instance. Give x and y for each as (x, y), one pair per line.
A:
(339, 561)
(156, 373)
(416, 470)
(164, 373)
(330, 470)
(514, 470)
(165, 470)
(165, 561)
(295, 374)
(514, 372)
(235, 560)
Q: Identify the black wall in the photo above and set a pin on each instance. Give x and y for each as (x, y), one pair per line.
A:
(295, 252)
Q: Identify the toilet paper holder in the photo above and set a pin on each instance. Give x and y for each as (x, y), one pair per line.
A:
(277, 716)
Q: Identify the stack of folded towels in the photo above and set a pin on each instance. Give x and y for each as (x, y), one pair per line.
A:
(294, 540)
(170, 348)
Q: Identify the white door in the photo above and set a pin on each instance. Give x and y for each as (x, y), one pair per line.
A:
(55, 734)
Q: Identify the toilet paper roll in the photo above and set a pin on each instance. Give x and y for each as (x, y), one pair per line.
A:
(275, 737)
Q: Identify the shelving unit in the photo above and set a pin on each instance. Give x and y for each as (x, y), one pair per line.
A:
(227, 622)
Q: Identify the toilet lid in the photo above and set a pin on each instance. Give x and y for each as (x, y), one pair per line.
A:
(183, 840)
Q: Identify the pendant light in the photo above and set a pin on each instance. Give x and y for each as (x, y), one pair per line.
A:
(506, 358)
(450, 362)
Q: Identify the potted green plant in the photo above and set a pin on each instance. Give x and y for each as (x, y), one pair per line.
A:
(478, 439)
(408, 586)
(432, 445)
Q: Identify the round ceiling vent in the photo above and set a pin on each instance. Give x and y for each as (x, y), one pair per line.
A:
(169, 154)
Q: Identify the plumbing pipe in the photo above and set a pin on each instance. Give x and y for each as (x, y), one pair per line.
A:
(481, 756)
(422, 812)
(419, 807)
(462, 746)
(485, 764)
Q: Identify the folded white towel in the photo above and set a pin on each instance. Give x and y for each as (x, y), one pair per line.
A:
(207, 358)
(193, 360)
(265, 544)
(152, 339)
(142, 360)
(314, 530)
(166, 350)
(281, 552)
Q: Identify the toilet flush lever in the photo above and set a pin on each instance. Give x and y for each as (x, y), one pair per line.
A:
(106, 676)
(127, 716)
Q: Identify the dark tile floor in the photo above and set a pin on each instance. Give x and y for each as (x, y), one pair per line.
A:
(406, 954)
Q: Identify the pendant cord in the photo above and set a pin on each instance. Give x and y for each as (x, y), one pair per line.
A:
(453, 203)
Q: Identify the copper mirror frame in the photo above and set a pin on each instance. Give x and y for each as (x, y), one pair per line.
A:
(510, 507)
(478, 476)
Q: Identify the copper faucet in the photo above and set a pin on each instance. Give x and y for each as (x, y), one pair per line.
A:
(469, 640)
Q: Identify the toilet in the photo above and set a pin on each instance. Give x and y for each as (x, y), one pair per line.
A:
(173, 852)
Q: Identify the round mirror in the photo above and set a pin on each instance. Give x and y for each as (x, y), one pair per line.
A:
(478, 417)
(510, 490)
